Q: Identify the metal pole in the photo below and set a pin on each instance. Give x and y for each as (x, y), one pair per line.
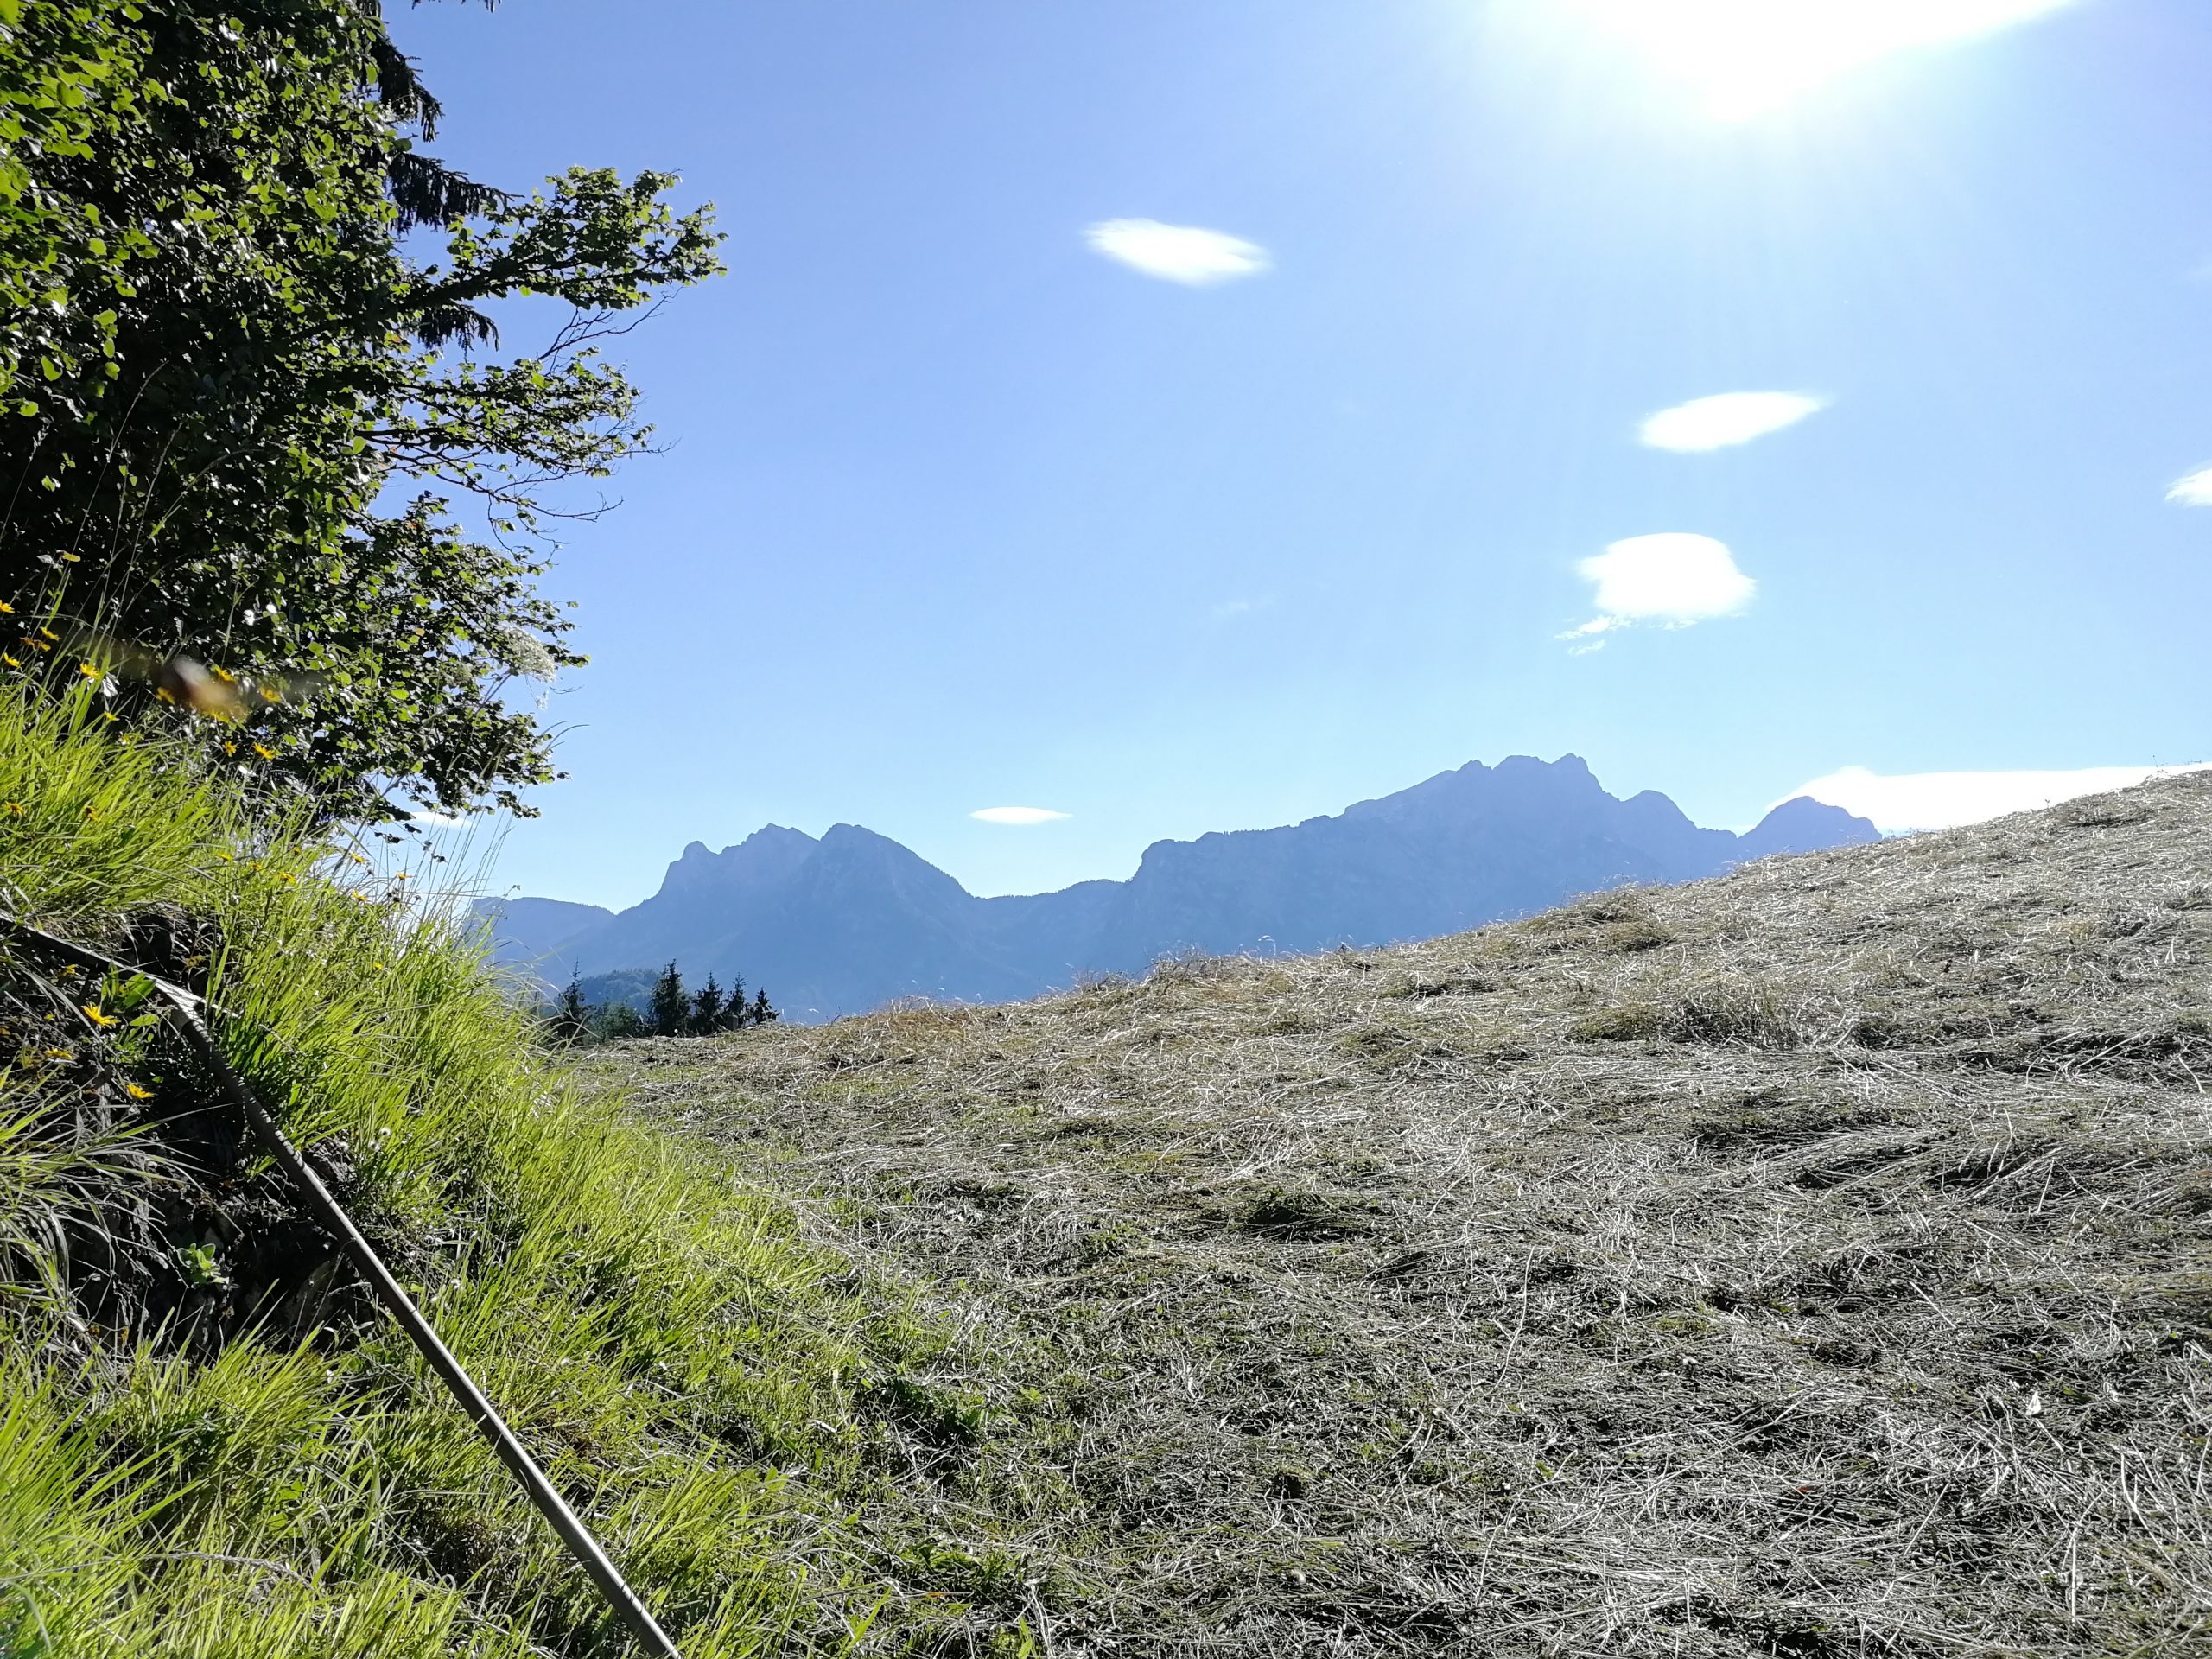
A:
(625, 1601)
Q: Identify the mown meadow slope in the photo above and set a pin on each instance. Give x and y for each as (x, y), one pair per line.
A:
(1813, 1261)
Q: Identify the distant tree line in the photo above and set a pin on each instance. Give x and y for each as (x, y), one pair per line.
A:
(671, 1011)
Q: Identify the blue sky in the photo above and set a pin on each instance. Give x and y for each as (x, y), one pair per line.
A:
(1187, 417)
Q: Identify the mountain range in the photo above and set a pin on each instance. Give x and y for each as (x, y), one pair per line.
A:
(850, 920)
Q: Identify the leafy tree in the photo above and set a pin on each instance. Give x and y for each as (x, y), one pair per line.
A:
(670, 1013)
(708, 1008)
(237, 403)
(617, 1021)
(572, 1015)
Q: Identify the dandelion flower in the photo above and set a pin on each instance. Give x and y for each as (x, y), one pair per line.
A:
(98, 1016)
(136, 1093)
(264, 751)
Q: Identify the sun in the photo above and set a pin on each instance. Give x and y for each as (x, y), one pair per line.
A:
(1741, 58)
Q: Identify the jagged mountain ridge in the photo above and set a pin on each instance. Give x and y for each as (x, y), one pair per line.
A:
(851, 921)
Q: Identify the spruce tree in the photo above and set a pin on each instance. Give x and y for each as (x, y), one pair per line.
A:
(671, 1010)
(763, 1012)
(734, 1011)
(572, 1020)
(706, 1010)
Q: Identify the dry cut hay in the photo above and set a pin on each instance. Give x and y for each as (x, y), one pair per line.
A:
(1813, 1261)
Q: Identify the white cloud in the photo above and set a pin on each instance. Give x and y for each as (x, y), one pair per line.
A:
(2192, 489)
(1745, 58)
(1672, 579)
(1940, 800)
(1229, 608)
(1019, 815)
(1726, 418)
(1177, 253)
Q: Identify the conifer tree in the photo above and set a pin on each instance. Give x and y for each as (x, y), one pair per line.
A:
(763, 1012)
(735, 1011)
(671, 1010)
(707, 1008)
(572, 1020)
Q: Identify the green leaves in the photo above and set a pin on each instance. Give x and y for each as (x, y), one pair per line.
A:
(238, 370)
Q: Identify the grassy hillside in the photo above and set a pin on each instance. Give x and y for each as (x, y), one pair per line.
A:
(210, 1445)
(1815, 1262)
(1810, 1263)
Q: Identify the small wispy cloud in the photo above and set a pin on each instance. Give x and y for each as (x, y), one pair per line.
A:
(1670, 581)
(1021, 815)
(437, 820)
(2192, 489)
(1229, 608)
(1727, 418)
(1189, 254)
(1900, 801)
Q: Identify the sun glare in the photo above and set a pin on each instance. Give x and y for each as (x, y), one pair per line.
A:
(1744, 58)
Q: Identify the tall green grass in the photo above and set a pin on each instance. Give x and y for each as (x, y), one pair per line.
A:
(693, 1373)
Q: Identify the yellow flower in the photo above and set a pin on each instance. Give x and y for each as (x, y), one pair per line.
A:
(92, 1013)
(10, 661)
(264, 751)
(48, 632)
(13, 809)
(136, 1093)
(225, 856)
(6, 609)
(88, 670)
(57, 1053)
